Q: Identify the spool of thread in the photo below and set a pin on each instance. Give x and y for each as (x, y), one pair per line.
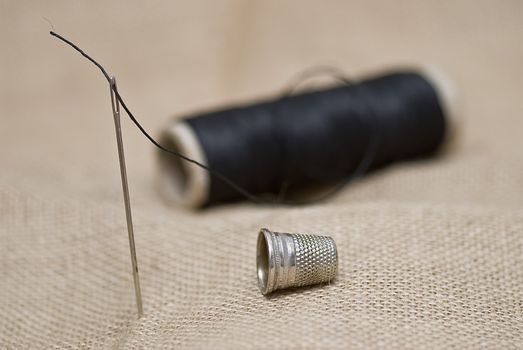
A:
(306, 140)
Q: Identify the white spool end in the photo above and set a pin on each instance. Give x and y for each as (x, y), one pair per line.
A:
(448, 96)
(182, 182)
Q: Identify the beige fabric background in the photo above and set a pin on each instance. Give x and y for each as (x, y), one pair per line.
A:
(431, 252)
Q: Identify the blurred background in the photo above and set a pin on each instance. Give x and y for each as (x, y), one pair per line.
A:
(173, 58)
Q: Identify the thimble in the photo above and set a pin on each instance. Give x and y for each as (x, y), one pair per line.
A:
(286, 260)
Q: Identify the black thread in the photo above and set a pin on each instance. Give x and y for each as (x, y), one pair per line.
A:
(240, 190)
(316, 138)
(319, 138)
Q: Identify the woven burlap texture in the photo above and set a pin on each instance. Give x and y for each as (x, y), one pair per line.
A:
(430, 252)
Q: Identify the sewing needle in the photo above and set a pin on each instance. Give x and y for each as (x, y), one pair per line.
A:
(123, 172)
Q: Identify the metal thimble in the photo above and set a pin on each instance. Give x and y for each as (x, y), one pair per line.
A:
(286, 260)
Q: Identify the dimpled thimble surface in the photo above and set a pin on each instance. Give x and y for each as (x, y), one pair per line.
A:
(291, 260)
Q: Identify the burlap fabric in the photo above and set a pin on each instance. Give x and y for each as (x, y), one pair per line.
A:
(431, 253)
